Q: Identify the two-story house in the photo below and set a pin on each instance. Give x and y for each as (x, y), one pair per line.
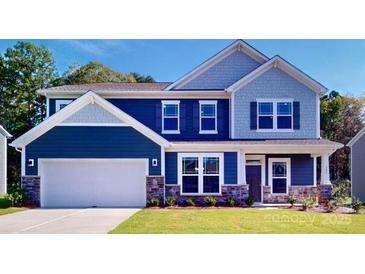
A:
(239, 124)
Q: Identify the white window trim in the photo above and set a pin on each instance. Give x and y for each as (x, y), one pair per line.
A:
(288, 173)
(205, 102)
(168, 102)
(62, 102)
(275, 115)
(200, 157)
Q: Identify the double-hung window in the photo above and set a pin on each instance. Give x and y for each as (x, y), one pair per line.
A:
(275, 115)
(170, 117)
(208, 117)
(279, 175)
(200, 174)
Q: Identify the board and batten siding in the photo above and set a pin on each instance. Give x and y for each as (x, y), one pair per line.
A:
(3, 148)
(358, 169)
(92, 142)
(274, 84)
(230, 167)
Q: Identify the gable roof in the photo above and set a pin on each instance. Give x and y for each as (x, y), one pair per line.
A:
(278, 62)
(356, 137)
(4, 132)
(237, 45)
(88, 98)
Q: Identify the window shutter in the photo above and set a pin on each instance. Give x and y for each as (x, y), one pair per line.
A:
(182, 117)
(296, 115)
(220, 117)
(196, 117)
(159, 117)
(253, 115)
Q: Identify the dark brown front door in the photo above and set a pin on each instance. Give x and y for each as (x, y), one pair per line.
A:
(253, 178)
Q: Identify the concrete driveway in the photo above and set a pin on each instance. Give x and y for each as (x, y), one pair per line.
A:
(61, 221)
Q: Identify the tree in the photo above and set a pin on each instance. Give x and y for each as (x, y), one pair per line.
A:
(24, 69)
(341, 118)
(95, 72)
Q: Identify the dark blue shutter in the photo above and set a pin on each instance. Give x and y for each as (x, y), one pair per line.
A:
(220, 117)
(253, 115)
(296, 115)
(196, 117)
(182, 117)
(159, 117)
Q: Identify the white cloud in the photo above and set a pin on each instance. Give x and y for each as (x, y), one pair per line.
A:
(97, 47)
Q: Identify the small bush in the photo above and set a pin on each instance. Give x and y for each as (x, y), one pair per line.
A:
(210, 200)
(5, 202)
(250, 200)
(308, 202)
(291, 200)
(154, 202)
(190, 202)
(171, 201)
(332, 205)
(341, 191)
(231, 202)
(17, 196)
(356, 205)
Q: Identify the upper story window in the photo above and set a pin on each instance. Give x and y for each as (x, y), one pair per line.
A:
(171, 117)
(275, 115)
(60, 104)
(208, 117)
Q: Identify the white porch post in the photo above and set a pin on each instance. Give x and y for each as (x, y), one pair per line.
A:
(325, 169)
(315, 169)
(243, 168)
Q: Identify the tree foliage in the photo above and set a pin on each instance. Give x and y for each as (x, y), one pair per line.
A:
(95, 72)
(341, 118)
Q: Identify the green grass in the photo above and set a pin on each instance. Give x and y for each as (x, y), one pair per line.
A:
(239, 220)
(10, 210)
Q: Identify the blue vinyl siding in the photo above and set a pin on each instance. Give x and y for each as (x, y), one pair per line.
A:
(144, 110)
(230, 167)
(171, 167)
(93, 142)
(301, 168)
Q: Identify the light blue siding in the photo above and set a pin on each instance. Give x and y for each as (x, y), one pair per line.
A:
(275, 84)
(93, 142)
(224, 73)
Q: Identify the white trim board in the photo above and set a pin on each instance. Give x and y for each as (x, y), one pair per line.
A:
(239, 45)
(88, 98)
(357, 137)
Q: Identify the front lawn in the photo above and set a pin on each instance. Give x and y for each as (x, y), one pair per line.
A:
(9, 210)
(239, 220)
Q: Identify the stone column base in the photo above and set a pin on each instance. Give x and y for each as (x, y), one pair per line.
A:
(31, 187)
(325, 193)
(298, 192)
(155, 188)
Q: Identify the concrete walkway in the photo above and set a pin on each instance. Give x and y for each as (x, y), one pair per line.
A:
(64, 221)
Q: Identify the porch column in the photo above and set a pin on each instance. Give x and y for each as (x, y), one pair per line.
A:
(325, 173)
(243, 168)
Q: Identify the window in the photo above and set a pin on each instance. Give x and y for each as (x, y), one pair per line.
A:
(170, 117)
(275, 115)
(208, 117)
(279, 175)
(60, 104)
(200, 174)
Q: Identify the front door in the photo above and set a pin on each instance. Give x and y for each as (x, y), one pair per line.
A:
(253, 178)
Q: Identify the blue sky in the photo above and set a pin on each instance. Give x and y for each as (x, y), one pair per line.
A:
(337, 64)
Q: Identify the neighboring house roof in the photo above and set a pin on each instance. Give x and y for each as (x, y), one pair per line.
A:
(357, 137)
(279, 62)
(88, 98)
(237, 45)
(4, 132)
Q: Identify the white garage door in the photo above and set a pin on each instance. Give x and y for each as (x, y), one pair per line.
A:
(93, 182)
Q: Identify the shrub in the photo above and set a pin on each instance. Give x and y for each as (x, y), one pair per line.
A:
(231, 201)
(190, 202)
(356, 205)
(341, 191)
(210, 200)
(308, 202)
(5, 202)
(250, 200)
(154, 202)
(16, 195)
(332, 205)
(171, 201)
(291, 200)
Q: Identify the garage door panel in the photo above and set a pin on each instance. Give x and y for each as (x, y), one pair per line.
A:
(87, 183)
